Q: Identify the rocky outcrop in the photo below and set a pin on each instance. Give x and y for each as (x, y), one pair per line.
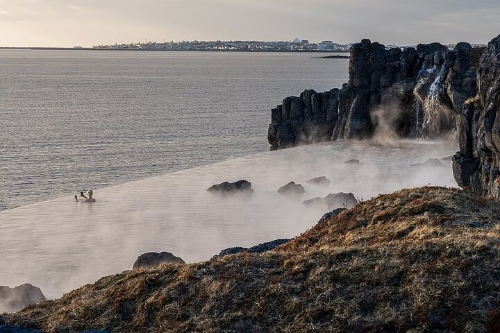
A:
(291, 189)
(477, 165)
(410, 92)
(333, 200)
(263, 247)
(152, 259)
(14, 299)
(240, 186)
(319, 181)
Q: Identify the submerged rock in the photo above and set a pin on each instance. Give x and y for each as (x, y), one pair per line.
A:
(240, 186)
(14, 299)
(151, 259)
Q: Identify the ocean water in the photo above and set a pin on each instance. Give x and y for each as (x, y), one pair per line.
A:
(72, 120)
(150, 169)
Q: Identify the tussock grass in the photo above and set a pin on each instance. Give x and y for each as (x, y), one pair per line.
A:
(417, 260)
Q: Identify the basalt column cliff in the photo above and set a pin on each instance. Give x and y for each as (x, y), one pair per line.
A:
(411, 92)
(476, 165)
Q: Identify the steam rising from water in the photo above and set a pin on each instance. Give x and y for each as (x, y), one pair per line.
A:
(60, 245)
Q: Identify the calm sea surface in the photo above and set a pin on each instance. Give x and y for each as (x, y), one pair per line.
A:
(150, 132)
(72, 120)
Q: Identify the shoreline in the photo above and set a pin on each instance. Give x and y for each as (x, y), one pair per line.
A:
(185, 50)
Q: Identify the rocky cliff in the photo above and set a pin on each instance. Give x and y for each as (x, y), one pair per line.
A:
(411, 92)
(476, 165)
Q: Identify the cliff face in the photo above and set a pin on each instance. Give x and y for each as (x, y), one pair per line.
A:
(415, 92)
(476, 166)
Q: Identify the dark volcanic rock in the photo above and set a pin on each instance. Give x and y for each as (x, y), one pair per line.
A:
(477, 165)
(316, 202)
(411, 92)
(334, 200)
(339, 200)
(240, 186)
(151, 259)
(263, 247)
(319, 181)
(14, 299)
(327, 216)
(291, 189)
(432, 162)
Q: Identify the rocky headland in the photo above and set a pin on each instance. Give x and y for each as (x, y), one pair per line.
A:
(407, 93)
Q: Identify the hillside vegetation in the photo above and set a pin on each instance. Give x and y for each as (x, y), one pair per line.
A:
(417, 260)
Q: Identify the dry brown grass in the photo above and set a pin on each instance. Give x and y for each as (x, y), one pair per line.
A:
(417, 260)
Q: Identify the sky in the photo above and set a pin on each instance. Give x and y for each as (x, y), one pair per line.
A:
(86, 23)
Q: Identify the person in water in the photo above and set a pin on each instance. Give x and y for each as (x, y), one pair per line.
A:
(88, 197)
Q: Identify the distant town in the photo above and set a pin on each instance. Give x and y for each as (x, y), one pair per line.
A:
(295, 45)
(282, 46)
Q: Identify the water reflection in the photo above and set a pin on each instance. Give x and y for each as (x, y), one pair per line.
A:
(59, 245)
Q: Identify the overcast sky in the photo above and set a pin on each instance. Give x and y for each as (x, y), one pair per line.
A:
(86, 23)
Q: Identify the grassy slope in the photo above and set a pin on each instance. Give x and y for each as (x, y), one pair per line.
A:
(424, 259)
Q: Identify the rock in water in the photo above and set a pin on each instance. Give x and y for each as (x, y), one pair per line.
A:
(431, 162)
(14, 299)
(151, 259)
(333, 200)
(240, 186)
(323, 181)
(291, 189)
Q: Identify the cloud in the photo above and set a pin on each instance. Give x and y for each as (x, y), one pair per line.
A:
(343, 21)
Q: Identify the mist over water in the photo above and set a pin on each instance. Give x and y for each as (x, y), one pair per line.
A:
(60, 245)
(150, 132)
(72, 120)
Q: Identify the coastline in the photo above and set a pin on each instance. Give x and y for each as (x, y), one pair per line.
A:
(181, 50)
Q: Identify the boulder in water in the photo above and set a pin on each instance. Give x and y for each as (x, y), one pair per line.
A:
(151, 259)
(291, 189)
(431, 162)
(333, 200)
(14, 299)
(240, 186)
(323, 181)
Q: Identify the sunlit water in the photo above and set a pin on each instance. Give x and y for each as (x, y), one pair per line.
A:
(60, 245)
(71, 120)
